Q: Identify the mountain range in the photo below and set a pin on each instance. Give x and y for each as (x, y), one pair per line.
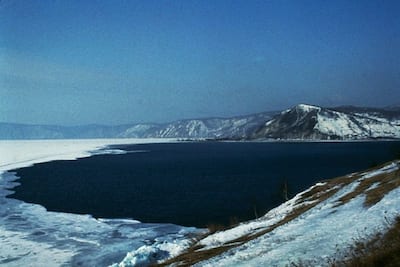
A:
(301, 122)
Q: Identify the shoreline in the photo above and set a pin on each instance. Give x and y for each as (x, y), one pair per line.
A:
(13, 154)
(84, 239)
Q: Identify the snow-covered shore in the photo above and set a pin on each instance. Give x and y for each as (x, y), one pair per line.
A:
(32, 236)
(22, 153)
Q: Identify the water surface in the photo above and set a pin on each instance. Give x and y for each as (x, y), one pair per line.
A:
(193, 184)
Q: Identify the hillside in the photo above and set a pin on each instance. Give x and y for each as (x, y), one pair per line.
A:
(330, 223)
(235, 127)
(343, 123)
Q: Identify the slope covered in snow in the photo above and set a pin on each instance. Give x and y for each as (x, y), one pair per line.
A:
(317, 123)
(315, 228)
(236, 128)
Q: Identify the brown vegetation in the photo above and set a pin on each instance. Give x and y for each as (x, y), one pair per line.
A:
(389, 182)
(382, 250)
(381, 185)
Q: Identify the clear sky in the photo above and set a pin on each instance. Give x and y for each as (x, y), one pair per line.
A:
(112, 62)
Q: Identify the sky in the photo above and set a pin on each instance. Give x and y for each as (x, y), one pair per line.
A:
(116, 62)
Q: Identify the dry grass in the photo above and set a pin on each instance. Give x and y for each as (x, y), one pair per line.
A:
(322, 192)
(382, 250)
(384, 183)
(193, 256)
(389, 182)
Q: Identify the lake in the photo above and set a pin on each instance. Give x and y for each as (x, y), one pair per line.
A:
(193, 183)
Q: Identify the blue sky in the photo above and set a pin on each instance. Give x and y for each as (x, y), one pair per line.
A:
(113, 62)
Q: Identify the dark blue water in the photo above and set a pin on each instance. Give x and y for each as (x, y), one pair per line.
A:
(193, 184)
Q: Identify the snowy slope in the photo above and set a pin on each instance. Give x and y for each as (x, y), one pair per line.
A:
(314, 228)
(236, 128)
(312, 122)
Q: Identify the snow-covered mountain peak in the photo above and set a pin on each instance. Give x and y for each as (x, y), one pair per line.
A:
(301, 108)
(307, 108)
(312, 122)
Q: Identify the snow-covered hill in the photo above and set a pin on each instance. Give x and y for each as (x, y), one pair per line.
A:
(312, 122)
(237, 127)
(318, 227)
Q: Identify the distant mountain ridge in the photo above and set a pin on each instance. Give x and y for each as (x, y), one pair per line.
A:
(342, 123)
(236, 127)
(302, 122)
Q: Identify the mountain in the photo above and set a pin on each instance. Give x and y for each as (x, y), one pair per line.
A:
(236, 127)
(341, 123)
(302, 122)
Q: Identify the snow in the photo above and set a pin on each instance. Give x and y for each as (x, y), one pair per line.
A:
(356, 126)
(304, 108)
(330, 124)
(269, 122)
(136, 130)
(272, 217)
(307, 108)
(317, 236)
(386, 169)
(151, 254)
(341, 125)
(196, 128)
(32, 236)
(17, 154)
